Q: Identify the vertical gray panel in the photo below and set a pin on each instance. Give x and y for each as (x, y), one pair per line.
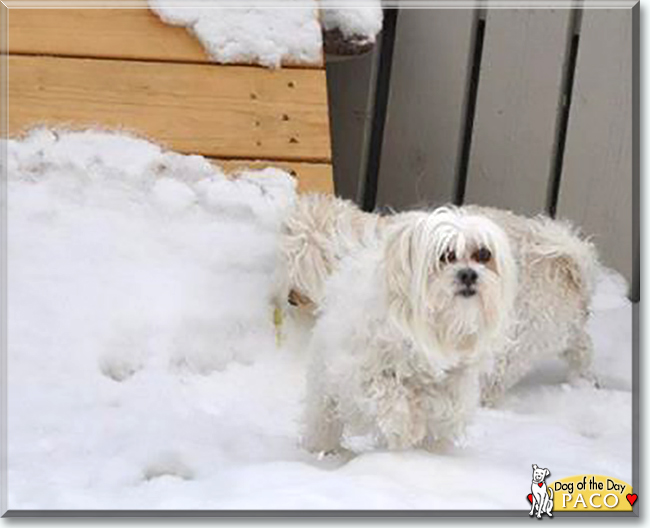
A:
(425, 113)
(517, 108)
(350, 85)
(596, 184)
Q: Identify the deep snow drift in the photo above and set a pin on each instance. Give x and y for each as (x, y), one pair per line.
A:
(145, 370)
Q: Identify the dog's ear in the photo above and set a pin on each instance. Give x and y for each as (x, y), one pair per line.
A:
(399, 262)
(534, 466)
(407, 261)
(547, 472)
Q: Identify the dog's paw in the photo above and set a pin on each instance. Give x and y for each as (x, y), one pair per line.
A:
(317, 448)
(585, 381)
(171, 464)
(119, 368)
(492, 395)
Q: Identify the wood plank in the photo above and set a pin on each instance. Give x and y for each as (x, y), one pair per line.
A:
(223, 111)
(424, 124)
(596, 185)
(517, 107)
(134, 33)
(351, 85)
(312, 177)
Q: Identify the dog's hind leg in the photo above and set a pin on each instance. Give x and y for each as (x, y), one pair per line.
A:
(578, 356)
(508, 370)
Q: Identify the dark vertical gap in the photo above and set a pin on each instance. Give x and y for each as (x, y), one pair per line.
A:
(470, 112)
(378, 123)
(635, 287)
(564, 112)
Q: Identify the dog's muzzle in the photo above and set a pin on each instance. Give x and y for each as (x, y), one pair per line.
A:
(467, 277)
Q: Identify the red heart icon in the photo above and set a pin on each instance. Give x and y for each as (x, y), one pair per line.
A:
(631, 498)
(540, 484)
(530, 498)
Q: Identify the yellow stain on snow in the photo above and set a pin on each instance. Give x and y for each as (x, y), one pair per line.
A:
(278, 318)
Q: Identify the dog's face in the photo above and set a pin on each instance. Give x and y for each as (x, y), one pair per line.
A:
(539, 474)
(453, 273)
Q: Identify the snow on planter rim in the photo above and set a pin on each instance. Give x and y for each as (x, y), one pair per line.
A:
(362, 20)
(144, 373)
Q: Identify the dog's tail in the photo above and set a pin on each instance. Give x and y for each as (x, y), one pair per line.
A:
(320, 231)
(574, 257)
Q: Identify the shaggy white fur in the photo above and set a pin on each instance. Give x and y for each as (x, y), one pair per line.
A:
(555, 267)
(403, 323)
(319, 233)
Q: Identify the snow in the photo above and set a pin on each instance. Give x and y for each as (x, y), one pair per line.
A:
(257, 33)
(362, 19)
(267, 32)
(145, 371)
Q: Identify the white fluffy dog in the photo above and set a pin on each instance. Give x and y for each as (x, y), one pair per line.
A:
(555, 267)
(402, 326)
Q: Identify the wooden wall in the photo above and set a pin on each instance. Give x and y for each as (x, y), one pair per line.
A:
(524, 109)
(125, 69)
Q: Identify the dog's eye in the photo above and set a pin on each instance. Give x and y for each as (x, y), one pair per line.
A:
(448, 258)
(482, 255)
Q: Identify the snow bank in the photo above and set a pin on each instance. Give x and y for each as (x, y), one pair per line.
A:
(144, 370)
(256, 34)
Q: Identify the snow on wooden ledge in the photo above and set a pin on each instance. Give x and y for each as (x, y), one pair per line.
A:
(255, 34)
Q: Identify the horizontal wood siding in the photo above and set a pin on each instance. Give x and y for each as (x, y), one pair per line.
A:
(221, 111)
(135, 33)
(312, 177)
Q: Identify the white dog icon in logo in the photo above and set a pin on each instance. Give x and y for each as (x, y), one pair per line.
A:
(539, 495)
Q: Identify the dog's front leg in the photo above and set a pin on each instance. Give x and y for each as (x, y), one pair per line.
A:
(532, 509)
(400, 417)
(322, 424)
(323, 428)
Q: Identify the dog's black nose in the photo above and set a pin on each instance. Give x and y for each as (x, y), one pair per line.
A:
(467, 276)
